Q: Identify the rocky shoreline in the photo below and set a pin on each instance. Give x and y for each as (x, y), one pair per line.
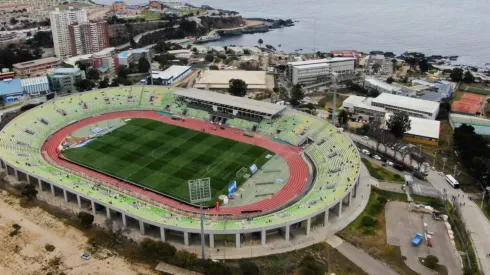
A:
(269, 24)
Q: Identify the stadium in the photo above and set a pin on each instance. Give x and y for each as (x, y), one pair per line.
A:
(131, 154)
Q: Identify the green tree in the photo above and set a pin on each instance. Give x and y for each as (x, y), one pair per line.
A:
(249, 268)
(84, 85)
(209, 58)
(143, 65)
(373, 93)
(213, 68)
(93, 74)
(468, 77)
(376, 67)
(297, 94)
(424, 65)
(82, 66)
(237, 87)
(115, 82)
(456, 74)
(260, 41)
(399, 124)
(29, 191)
(2, 101)
(104, 83)
(123, 72)
(431, 261)
(86, 219)
(390, 80)
(343, 117)
(13, 21)
(157, 250)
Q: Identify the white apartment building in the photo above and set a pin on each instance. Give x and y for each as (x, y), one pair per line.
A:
(314, 70)
(381, 86)
(413, 106)
(60, 20)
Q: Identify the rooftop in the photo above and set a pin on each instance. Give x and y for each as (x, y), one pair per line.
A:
(34, 81)
(233, 101)
(407, 102)
(220, 79)
(36, 62)
(172, 72)
(382, 84)
(422, 127)
(65, 70)
(318, 65)
(323, 60)
(10, 86)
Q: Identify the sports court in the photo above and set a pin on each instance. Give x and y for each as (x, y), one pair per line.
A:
(163, 157)
(469, 103)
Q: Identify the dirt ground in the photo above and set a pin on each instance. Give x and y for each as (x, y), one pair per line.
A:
(25, 252)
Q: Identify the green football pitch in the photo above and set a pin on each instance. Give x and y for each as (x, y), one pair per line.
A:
(163, 157)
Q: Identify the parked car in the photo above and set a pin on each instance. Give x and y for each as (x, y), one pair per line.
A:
(377, 157)
(85, 256)
(389, 163)
(366, 152)
(399, 167)
(417, 239)
(365, 137)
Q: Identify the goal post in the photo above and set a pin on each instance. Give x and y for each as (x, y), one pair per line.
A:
(241, 173)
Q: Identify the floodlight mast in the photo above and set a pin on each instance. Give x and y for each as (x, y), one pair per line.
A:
(199, 192)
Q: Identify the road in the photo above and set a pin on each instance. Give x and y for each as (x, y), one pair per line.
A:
(476, 223)
(137, 39)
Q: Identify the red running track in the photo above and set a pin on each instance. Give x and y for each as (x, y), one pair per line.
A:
(297, 167)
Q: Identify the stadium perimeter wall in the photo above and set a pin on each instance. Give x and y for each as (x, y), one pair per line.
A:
(334, 207)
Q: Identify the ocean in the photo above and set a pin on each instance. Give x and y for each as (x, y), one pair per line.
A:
(445, 27)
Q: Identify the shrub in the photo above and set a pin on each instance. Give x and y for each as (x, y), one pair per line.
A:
(431, 261)
(157, 250)
(396, 176)
(29, 191)
(375, 209)
(209, 58)
(382, 200)
(368, 221)
(249, 268)
(86, 219)
(49, 247)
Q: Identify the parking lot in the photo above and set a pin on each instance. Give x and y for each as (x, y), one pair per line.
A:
(401, 227)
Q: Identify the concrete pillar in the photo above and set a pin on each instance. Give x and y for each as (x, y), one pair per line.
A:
(186, 238)
(142, 228)
(93, 207)
(340, 208)
(108, 211)
(286, 235)
(40, 185)
(325, 219)
(162, 233)
(28, 178)
(125, 224)
(350, 198)
(52, 190)
(308, 226)
(211, 240)
(65, 195)
(237, 240)
(16, 174)
(264, 241)
(79, 201)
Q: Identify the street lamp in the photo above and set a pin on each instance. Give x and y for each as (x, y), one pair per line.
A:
(199, 192)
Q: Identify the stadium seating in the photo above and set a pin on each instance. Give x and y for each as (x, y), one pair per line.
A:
(335, 157)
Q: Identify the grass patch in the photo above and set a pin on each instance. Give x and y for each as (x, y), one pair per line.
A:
(372, 239)
(380, 173)
(163, 157)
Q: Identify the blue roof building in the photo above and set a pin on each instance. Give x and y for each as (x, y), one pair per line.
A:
(11, 89)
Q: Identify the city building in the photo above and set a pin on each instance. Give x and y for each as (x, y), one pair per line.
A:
(235, 50)
(118, 6)
(362, 107)
(385, 64)
(346, 53)
(60, 20)
(413, 106)
(106, 61)
(220, 80)
(200, 49)
(311, 71)
(125, 58)
(88, 37)
(9, 38)
(64, 79)
(130, 56)
(172, 74)
(36, 67)
(6, 74)
(252, 50)
(36, 85)
(181, 53)
(155, 5)
(425, 131)
(11, 90)
(382, 87)
(13, 6)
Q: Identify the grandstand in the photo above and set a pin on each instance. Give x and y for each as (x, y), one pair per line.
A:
(31, 142)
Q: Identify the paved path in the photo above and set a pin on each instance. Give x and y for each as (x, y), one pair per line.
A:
(360, 258)
(476, 222)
